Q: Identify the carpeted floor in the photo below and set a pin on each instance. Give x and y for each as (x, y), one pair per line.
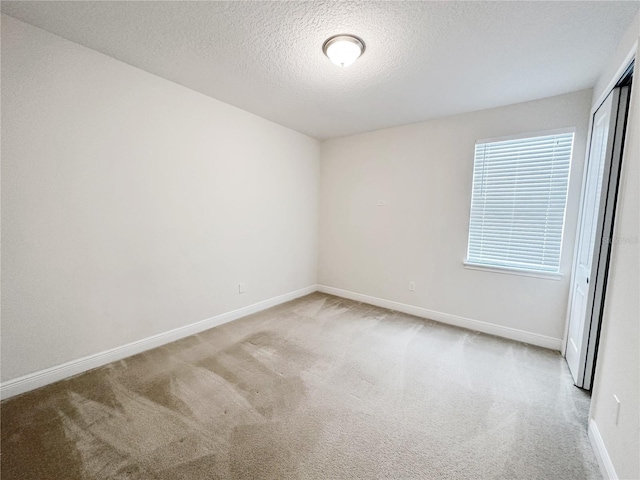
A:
(318, 388)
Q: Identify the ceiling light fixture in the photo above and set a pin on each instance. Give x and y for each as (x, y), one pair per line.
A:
(344, 49)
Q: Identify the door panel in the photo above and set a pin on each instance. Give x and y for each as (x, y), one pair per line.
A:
(594, 238)
(579, 316)
(577, 307)
(606, 220)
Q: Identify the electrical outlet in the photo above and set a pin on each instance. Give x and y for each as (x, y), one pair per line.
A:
(616, 409)
(412, 286)
(241, 288)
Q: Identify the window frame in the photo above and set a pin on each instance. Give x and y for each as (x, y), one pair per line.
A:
(470, 265)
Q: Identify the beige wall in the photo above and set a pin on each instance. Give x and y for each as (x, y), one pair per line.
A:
(424, 174)
(132, 205)
(618, 366)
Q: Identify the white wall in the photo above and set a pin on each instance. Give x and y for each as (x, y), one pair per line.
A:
(424, 174)
(618, 365)
(132, 205)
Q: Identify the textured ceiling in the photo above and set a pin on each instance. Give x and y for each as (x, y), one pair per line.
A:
(423, 59)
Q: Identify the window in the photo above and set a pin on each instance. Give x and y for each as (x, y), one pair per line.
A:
(518, 203)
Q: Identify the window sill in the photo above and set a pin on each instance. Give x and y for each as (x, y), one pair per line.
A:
(513, 271)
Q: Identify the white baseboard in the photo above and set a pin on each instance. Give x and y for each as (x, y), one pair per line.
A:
(39, 379)
(476, 325)
(606, 466)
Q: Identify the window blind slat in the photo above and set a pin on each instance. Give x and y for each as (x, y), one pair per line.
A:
(503, 157)
(518, 202)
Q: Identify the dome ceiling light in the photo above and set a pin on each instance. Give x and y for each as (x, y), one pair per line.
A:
(343, 49)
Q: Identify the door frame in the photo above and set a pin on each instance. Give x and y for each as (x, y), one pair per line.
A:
(606, 217)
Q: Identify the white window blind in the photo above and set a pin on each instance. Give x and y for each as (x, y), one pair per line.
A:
(518, 202)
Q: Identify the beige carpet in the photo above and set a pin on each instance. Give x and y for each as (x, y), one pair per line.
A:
(321, 388)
